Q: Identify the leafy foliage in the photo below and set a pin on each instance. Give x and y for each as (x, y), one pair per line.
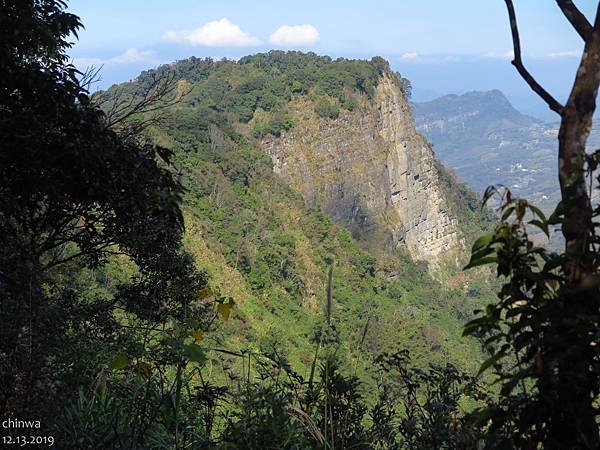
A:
(541, 336)
(74, 193)
(326, 109)
(431, 399)
(265, 82)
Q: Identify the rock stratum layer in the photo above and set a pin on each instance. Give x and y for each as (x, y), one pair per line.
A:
(372, 172)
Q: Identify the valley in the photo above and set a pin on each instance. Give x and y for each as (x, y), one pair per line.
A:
(486, 141)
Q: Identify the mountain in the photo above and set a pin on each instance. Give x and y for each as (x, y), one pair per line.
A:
(372, 172)
(293, 161)
(487, 141)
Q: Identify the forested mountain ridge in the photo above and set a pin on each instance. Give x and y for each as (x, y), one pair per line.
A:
(353, 149)
(274, 243)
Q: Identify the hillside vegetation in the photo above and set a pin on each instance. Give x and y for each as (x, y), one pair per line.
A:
(265, 253)
(163, 288)
(244, 221)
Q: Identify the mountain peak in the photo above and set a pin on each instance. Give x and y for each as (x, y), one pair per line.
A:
(481, 106)
(483, 137)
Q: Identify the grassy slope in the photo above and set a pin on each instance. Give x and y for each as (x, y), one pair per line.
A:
(261, 245)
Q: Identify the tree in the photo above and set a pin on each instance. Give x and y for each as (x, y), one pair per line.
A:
(73, 189)
(67, 176)
(575, 126)
(543, 333)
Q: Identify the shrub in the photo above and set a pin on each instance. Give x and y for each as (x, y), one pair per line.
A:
(327, 109)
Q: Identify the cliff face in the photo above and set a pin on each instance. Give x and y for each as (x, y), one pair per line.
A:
(372, 172)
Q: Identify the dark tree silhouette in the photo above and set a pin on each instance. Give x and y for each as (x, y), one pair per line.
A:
(74, 188)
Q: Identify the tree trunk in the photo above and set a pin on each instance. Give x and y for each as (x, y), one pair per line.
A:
(571, 388)
(576, 123)
(575, 128)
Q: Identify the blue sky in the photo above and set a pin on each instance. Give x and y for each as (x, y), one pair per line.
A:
(443, 46)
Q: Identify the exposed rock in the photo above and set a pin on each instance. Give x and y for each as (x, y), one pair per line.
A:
(372, 171)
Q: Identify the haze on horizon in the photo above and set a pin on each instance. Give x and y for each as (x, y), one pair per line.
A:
(442, 47)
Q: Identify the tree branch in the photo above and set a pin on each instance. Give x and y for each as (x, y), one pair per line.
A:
(576, 123)
(518, 63)
(577, 19)
(159, 95)
(96, 251)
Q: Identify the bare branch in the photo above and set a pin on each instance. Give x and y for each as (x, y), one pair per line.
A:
(90, 77)
(125, 108)
(518, 63)
(577, 19)
(99, 251)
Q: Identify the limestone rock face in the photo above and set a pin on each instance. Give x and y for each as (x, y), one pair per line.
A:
(372, 172)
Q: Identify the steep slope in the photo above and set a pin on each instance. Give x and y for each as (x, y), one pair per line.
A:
(260, 244)
(264, 229)
(372, 172)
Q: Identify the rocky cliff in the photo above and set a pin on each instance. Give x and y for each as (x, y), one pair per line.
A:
(253, 235)
(372, 171)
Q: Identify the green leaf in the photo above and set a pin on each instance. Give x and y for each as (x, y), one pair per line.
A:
(541, 225)
(195, 353)
(538, 212)
(510, 385)
(555, 261)
(483, 241)
(480, 261)
(489, 192)
(523, 340)
(516, 310)
(556, 217)
(507, 212)
(119, 362)
(224, 309)
(491, 361)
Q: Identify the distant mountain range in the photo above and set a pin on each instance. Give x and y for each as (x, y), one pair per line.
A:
(487, 141)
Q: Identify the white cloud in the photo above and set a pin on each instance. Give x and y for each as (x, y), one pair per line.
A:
(417, 58)
(133, 55)
(289, 35)
(216, 33)
(567, 54)
(494, 55)
(452, 58)
(130, 56)
(410, 56)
